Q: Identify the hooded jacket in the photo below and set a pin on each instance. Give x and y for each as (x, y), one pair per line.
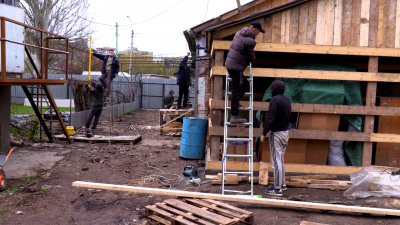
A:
(241, 52)
(97, 94)
(279, 109)
(114, 65)
(182, 77)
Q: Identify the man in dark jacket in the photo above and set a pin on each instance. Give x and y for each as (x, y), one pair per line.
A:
(109, 70)
(241, 53)
(97, 104)
(183, 81)
(169, 100)
(278, 123)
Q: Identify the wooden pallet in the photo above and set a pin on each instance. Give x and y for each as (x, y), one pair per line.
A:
(106, 139)
(194, 211)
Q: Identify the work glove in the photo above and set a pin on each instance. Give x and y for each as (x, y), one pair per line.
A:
(262, 138)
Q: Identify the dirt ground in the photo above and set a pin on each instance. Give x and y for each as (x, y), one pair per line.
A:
(43, 194)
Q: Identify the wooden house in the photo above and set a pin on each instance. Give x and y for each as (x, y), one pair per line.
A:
(363, 34)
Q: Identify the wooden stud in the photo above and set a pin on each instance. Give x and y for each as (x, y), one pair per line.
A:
(276, 27)
(391, 24)
(369, 120)
(329, 21)
(373, 23)
(294, 24)
(268, 29)
(214, 217)
(355, 23)
(320, 28)
(315, 49)
(397, 31)
(314, 74)
(320, 108)
(380, 42)
(263, 175)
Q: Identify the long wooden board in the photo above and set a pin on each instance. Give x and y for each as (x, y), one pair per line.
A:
(261, 201)
(320, 108)
(313, 74)
(313, 49)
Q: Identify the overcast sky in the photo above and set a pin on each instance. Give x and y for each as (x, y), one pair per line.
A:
(162, 35)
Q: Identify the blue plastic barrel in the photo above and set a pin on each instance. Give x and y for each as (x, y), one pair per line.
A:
(194, 134)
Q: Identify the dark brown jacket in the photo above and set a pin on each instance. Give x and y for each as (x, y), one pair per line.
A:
(241, 52)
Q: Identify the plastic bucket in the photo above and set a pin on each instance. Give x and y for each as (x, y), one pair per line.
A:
(194, 134)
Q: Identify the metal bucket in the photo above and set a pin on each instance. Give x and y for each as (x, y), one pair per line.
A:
(194, 134)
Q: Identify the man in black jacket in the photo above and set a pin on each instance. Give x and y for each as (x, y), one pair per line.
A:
(97, 104)
(278, 123)
(169, 100)
(183, 81)
(241, 53)
(109, 70)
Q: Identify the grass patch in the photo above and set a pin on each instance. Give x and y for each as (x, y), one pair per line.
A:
(20, 202)
(44, 190)
(123, 114)
(3, 213)
(28, 110)
(13, 189)
(25, 180)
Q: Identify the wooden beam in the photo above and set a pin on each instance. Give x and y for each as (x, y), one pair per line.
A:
(314, 74)
(369, 120)
(263, 201)
(314, 49)
(239, 7)
(320, 108)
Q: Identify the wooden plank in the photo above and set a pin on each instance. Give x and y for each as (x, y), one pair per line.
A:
(260, 36)
(186, 215)
(314, 74)
(310, 181)
(346, 27)
(198, 211)
(227, 206)
(312, 22)
(182, 115)
(268, 29)
(169, 215)
(276, 28)
(397, 31)
(355, 23)
(364, 22)
(321, 108)
(296, 183)
(289, 168)
(263, 175)
(303, 22)
(337, 26)
(216, 209)
(380, 42)
(373, 23)
(294, 24)
(320, 27)
(285, 20)
(329, 21)
(329, 186)
(391, 24)
(369, 120)
(216, 114)
(159, 219)
(263, 201)
(311, 223)
(315, 49)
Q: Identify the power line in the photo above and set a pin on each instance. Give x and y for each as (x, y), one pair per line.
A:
(90, 21)
(206, 10)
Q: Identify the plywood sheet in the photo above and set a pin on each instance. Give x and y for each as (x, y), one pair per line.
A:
(295, 151)
(388, 154)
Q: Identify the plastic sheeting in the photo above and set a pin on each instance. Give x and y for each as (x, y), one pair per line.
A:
(332, 92)
(371, 181)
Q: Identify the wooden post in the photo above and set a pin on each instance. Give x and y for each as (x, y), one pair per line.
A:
(217, 83)
(369, 120)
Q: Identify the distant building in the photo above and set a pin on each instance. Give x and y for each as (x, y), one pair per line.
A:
(104, 50)
(136, 52)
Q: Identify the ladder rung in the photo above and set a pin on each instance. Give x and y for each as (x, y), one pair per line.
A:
(246, 93)
(238, 139)
(229, 123)
(230, 79)
(238, 156)
(238, 172)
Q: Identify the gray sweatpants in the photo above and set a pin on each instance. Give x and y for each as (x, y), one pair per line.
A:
(277, 142)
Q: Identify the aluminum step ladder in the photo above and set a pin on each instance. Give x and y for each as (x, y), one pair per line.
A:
(249, 139)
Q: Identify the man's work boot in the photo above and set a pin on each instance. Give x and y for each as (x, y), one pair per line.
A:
(237, 119)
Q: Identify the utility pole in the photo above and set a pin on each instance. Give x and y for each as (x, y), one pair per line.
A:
(130, 59)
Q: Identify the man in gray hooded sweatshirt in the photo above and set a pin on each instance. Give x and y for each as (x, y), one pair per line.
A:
(278, 123)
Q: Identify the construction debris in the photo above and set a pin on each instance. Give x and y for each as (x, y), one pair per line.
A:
(107, 139)
(233, 179)
(192, 211)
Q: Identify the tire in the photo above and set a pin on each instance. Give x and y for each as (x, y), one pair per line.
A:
(2, 180)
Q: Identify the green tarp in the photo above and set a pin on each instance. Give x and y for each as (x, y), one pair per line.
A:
(330, 92)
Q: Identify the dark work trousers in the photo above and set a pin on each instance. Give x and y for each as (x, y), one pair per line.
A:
(237, 89)
(183, 90)
(103, 76)
(96, 111)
